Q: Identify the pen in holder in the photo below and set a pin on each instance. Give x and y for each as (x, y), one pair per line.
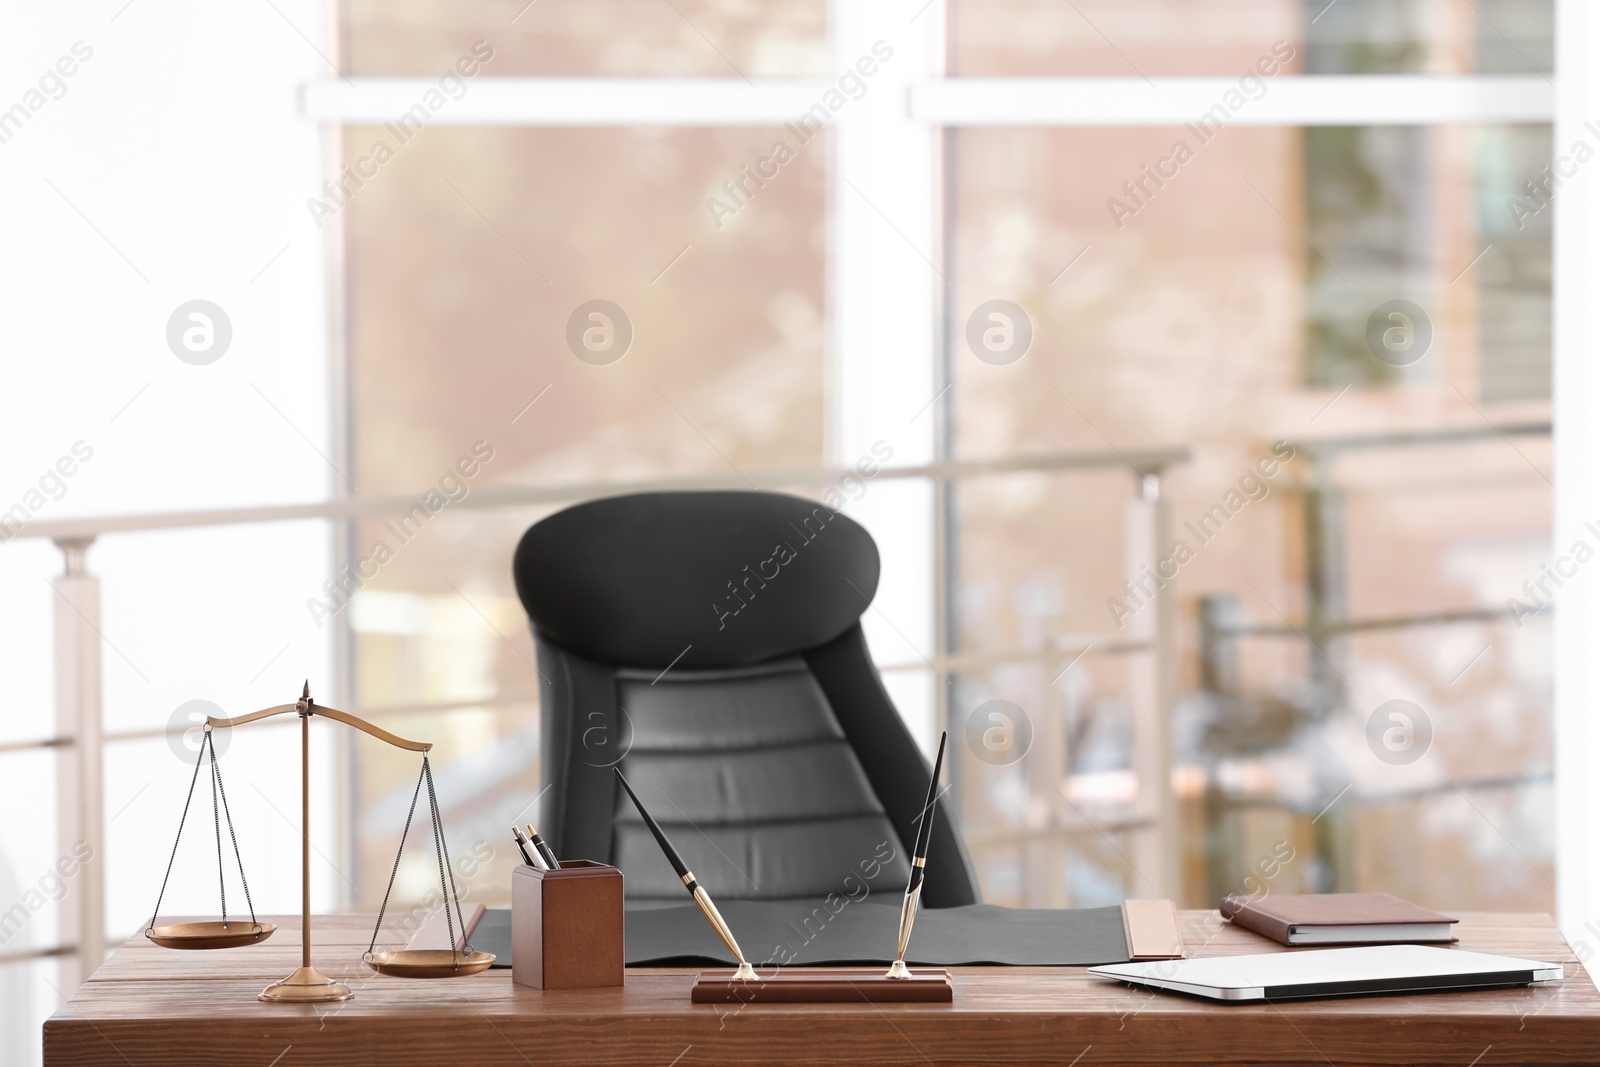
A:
(567, 926)
(919, 860)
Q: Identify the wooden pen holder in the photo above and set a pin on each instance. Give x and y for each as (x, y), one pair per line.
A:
(566, 926)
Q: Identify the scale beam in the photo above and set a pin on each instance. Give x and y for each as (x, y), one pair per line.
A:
(376, 731)
(240, 720)
(332, 713)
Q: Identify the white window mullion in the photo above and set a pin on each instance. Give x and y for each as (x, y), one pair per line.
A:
(884, 288)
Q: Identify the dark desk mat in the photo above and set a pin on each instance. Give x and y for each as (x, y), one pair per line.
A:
(809, 933)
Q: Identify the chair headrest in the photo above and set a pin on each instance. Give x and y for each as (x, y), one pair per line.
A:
(735, 577)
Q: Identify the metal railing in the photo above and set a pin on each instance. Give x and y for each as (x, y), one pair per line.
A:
(79, 738)
(1326, 624)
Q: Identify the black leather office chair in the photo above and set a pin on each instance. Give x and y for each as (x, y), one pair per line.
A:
(710, 644)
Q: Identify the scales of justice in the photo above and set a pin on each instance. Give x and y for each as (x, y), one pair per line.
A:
(307, 985)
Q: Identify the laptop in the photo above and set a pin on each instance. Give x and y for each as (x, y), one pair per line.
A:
(1334, 972)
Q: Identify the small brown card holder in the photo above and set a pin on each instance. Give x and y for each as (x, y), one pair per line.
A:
(1152, 930)
(566, 926)
(825, 985)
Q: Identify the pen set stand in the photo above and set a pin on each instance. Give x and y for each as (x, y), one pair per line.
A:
(746, 985)
(825, 985)
(566, 926)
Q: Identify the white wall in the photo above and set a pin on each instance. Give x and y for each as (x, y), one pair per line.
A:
(171, 165)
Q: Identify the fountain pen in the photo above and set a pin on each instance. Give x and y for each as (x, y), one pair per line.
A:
(919, 860)
(702, 899)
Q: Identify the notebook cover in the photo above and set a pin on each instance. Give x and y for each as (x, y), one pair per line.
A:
(1274, 916)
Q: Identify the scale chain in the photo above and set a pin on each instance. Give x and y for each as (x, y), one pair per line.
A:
(455, 895)
(216, 819)
(226, 814)
(439, 852)
(199, 758)
(448, 893)
(398, 853)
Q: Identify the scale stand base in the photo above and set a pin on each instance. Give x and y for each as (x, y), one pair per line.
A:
(306, 985)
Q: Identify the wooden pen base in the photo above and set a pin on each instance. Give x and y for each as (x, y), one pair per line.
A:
(824, 985)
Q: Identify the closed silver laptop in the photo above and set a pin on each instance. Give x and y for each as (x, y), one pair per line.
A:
(1334, 972)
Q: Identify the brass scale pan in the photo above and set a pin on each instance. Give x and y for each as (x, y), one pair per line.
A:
(210, 934)
(401, 963)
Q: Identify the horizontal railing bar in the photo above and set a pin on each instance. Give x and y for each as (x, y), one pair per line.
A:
(944, 663)
(1391, 622)
(1146, 461)
(1421, 438)
(960, 662)
(28, 746)
(1045, 833)
(1369, 799)
(36, 954)
(1136, 822)
(979, 660)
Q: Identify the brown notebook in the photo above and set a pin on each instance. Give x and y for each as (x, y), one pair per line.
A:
(1338, 919)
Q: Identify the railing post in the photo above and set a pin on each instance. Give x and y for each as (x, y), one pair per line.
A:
(1219, 617)
(1149, 538)
(1326, 582)
(80, 812)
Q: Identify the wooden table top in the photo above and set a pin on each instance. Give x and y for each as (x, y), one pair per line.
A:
(153, 1006)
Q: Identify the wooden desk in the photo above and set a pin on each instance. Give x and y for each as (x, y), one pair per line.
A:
(152, 1006)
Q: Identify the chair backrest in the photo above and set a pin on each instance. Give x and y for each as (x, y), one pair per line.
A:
(709, 643)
